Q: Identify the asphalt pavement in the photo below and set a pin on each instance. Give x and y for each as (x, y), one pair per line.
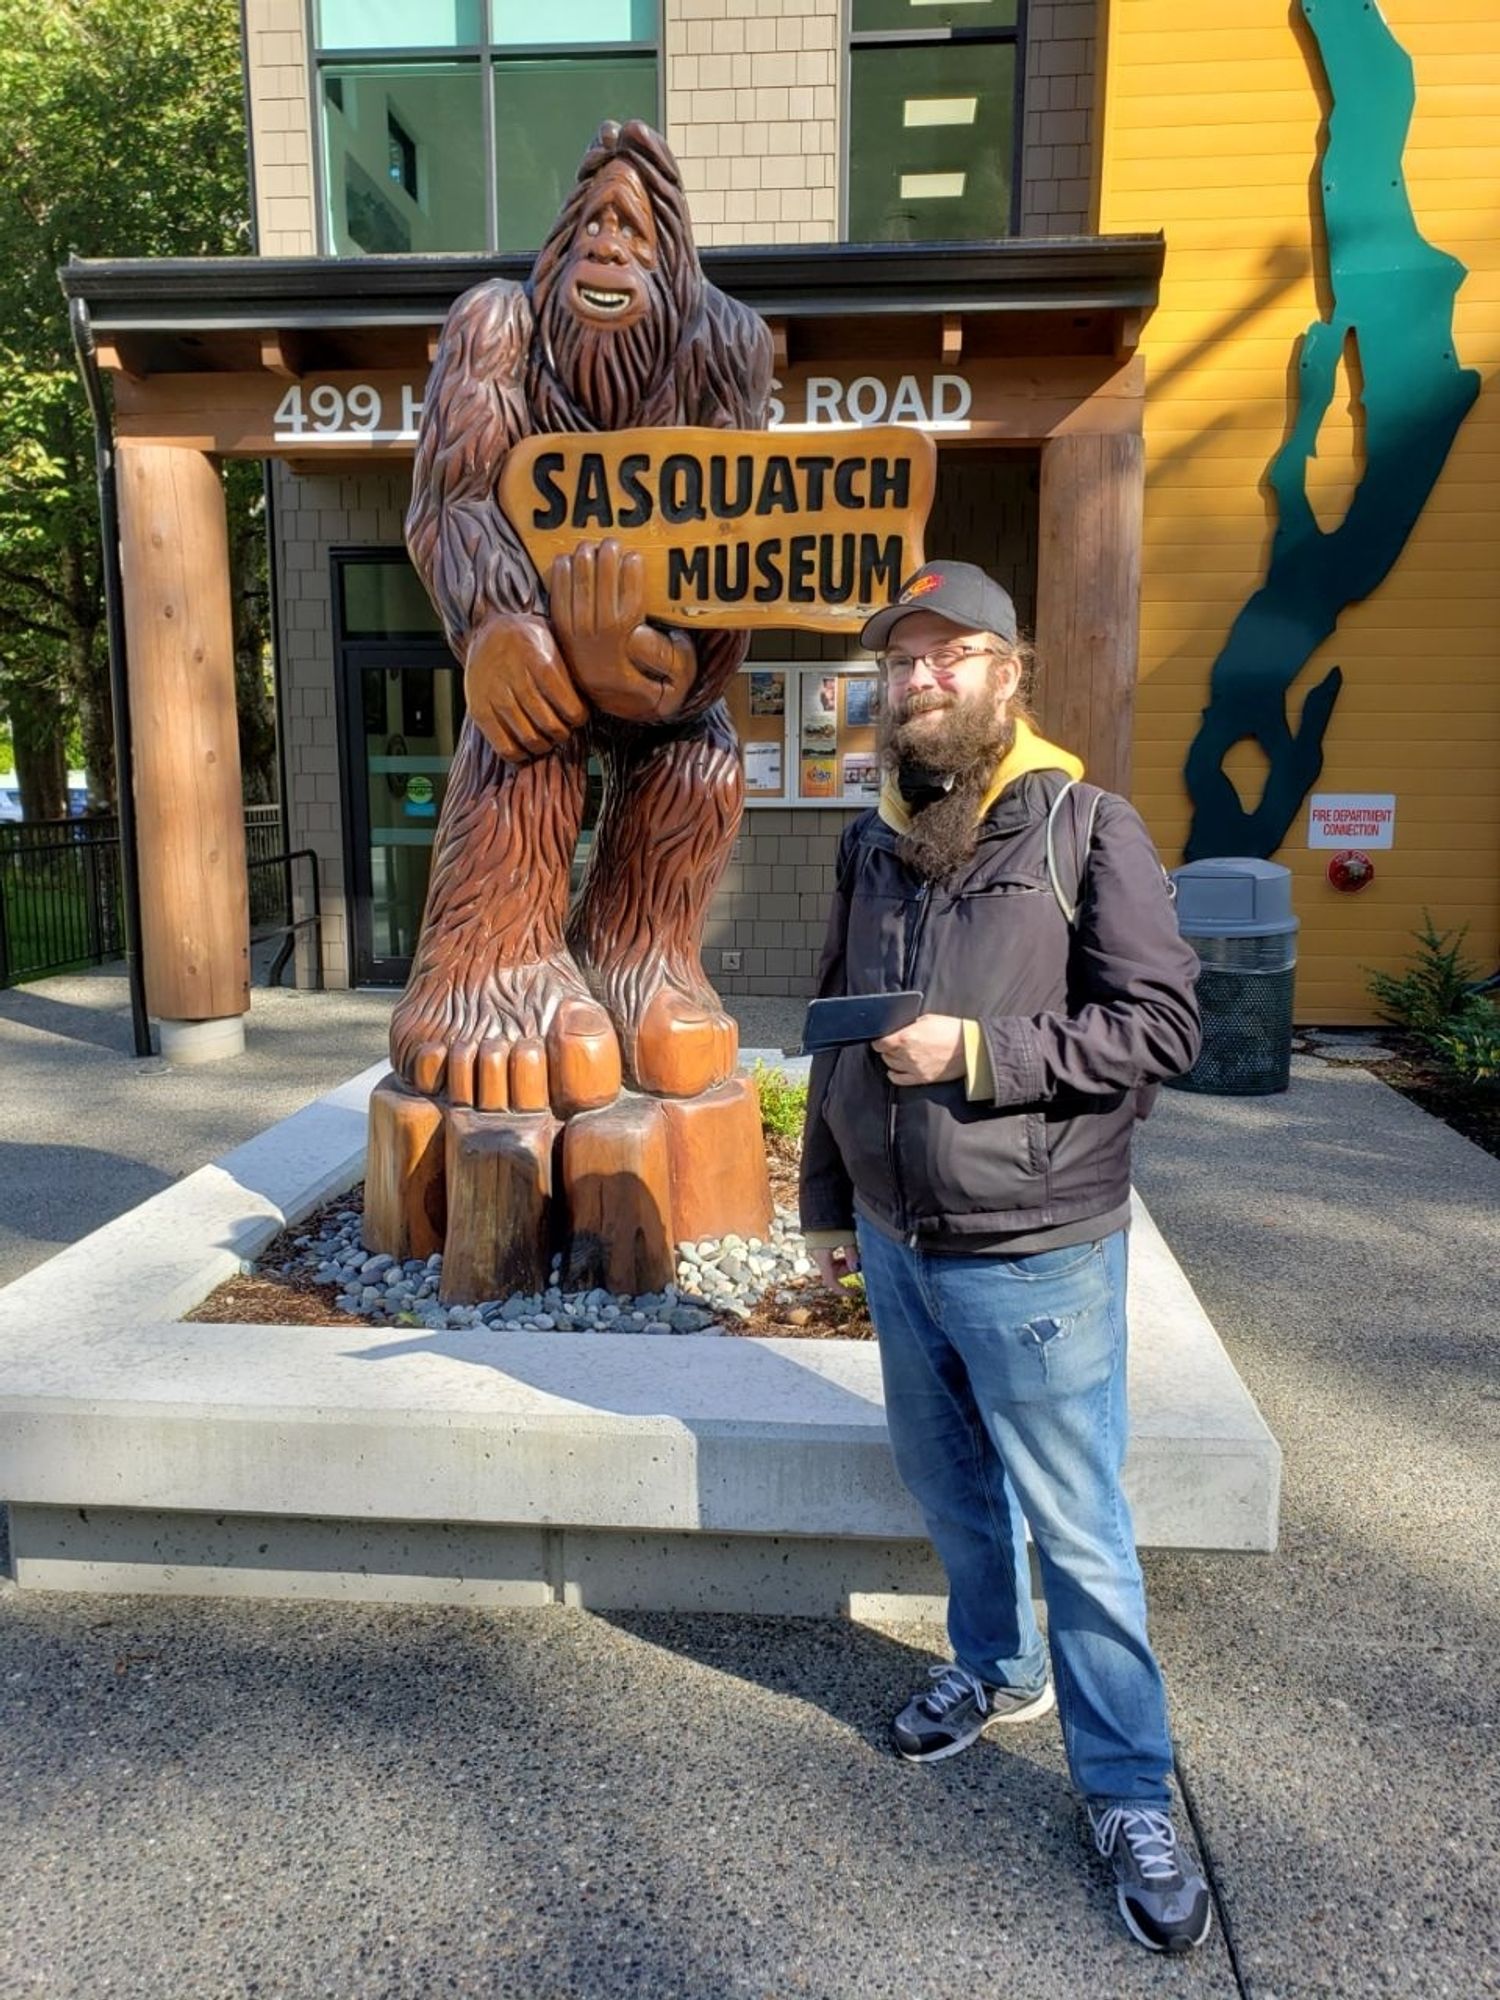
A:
(203, 1799)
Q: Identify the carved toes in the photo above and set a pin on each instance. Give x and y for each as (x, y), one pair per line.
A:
(583, 1058)
(428, 1062)
(683, 1047)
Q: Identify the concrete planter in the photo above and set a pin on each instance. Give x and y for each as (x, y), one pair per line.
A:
(143, 1454)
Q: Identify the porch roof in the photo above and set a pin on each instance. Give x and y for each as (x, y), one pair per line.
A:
(177, 315)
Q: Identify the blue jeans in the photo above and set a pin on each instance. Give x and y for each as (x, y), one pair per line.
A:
(1005, 1400)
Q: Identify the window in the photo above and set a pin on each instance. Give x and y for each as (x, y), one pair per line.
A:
(403, 167)
(459, 124)
(933, 120)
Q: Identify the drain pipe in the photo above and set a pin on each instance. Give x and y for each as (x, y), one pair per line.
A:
(119, 686)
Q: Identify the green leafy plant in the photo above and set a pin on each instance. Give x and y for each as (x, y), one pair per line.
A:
(783, 1102)
(1470, 1044)
(1436, 990)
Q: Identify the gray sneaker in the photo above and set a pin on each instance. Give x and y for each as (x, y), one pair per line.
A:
(957, 1709)
(1165, 1906)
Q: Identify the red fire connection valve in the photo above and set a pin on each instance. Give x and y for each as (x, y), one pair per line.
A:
(1350, 869)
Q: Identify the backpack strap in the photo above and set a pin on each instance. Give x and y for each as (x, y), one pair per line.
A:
(1067, 884)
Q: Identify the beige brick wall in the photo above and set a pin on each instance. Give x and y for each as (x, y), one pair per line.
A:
(280, 127)
(1057, 159)
(752, 90)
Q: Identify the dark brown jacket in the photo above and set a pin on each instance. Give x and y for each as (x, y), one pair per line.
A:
(1076, 1022)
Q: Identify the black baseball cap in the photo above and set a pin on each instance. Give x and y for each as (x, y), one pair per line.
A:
(957, 591)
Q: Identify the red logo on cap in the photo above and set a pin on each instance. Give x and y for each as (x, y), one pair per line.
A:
(920, 586)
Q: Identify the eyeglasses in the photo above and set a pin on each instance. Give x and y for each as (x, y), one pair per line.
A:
(941, 659)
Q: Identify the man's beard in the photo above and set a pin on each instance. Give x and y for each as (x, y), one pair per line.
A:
(607, 371)
(965, 745)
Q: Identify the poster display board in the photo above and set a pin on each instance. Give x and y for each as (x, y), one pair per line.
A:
(807, 735)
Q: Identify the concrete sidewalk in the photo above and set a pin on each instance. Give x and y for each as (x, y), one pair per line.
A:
(206, 1799)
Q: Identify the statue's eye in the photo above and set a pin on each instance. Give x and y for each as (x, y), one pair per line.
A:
(592, 230)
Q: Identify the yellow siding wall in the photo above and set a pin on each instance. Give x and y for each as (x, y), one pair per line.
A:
(1210, 130)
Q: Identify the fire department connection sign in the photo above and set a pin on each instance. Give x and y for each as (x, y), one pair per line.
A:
(1352, 819)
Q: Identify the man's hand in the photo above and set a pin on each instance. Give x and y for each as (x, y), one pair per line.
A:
(626, 667)
(837, 1264)
(931, 1050)
(518, 688)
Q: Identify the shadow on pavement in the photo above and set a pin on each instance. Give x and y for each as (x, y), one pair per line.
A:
(102, 1021)
(308, 1798)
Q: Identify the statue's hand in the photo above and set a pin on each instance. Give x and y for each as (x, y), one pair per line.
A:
(626, 667)
(518, 688)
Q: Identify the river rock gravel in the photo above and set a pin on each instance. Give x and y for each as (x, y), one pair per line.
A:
(718, 1281)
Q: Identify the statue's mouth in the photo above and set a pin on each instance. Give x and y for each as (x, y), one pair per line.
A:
(607, 304)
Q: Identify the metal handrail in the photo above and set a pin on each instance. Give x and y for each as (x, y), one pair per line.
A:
(79, 911)
(288, 931)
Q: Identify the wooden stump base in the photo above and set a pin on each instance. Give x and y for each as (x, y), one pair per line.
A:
(615, 1190)
(406, 1201)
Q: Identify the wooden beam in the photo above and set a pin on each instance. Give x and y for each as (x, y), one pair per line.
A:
(1088, 597)
(280, 354)
(953, 339)
(779, 350)
(174, 560)
(1128, 325)
(1012, 401)
(115, 357)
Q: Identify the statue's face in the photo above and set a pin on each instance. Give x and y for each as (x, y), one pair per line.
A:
(612, 263)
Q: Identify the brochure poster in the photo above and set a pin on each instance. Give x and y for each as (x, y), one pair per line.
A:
(820, 713)
(820, 777)
(763, 767)
(861, 774)
(859, 701)
(767, 694)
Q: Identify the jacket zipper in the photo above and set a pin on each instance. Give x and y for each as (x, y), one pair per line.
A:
(908, 966)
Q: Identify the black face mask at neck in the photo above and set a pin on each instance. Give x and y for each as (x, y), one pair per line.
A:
(920, 786)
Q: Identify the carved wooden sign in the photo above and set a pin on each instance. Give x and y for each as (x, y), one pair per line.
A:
(736, 530)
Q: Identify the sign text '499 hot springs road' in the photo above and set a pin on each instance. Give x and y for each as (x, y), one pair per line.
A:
(735, 529)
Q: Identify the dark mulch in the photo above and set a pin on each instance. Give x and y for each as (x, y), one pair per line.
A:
(271, 1298)
(1470, 1108)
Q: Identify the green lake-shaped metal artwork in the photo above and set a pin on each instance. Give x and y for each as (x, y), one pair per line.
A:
(1393, 293)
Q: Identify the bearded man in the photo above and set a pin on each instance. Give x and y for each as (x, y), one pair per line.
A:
(976, 1166)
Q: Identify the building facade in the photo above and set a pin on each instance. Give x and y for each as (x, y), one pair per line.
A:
(1206, 337)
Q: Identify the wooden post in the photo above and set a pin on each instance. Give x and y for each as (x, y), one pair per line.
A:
(1088, 597)
(174, 559)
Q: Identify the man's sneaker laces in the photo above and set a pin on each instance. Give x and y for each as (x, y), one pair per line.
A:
(1165, 1908)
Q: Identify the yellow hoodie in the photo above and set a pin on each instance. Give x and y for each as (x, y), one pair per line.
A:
(1029, 752)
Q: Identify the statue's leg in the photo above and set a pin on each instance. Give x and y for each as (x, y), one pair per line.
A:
(670, 812)
(496, 1014)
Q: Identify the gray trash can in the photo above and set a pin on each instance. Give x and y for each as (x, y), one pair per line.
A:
(1237, 915)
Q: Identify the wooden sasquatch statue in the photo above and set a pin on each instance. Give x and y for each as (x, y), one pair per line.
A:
(512, 1005)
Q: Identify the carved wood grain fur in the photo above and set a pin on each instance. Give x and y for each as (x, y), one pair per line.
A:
(493, 963)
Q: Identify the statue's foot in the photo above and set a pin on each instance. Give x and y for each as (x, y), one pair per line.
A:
(519, 1038)
(682, 1043)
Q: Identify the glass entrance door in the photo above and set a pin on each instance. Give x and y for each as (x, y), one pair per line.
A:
(402, 699)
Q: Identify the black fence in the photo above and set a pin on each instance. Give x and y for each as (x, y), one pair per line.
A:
(60, 901)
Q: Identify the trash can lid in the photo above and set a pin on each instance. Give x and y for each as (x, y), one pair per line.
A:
(1234, 896)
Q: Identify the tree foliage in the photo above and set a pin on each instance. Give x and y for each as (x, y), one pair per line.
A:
(123, 136)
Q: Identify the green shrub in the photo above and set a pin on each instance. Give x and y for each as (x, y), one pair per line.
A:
(1436, 991)
(1470, 1045)
(783, 1102)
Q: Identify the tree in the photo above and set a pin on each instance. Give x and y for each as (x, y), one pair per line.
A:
(124, 136)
